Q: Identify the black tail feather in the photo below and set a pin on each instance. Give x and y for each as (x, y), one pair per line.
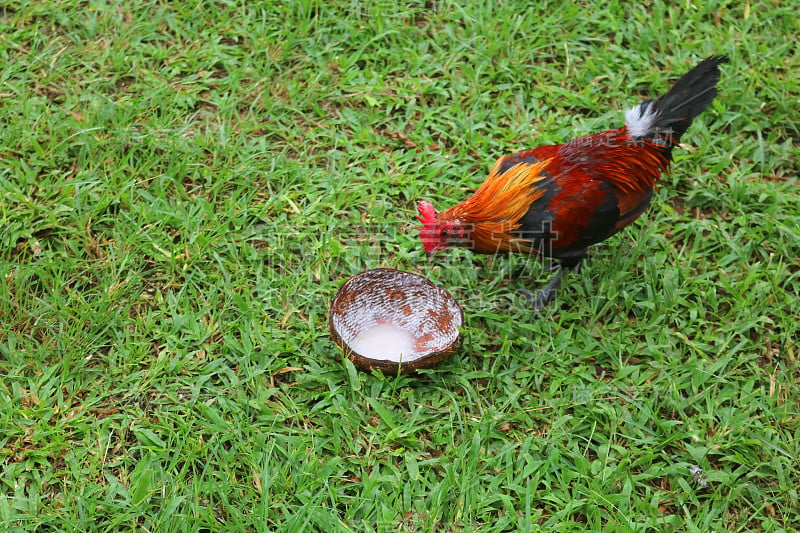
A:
(675, 110)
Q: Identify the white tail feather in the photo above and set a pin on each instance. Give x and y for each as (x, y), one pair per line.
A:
(640, 121)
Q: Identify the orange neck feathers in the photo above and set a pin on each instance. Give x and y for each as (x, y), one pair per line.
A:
(497, 206)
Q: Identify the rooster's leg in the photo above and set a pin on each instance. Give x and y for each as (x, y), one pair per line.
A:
(547, 294)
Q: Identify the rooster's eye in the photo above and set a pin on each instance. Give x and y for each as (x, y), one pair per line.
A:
(445, 233)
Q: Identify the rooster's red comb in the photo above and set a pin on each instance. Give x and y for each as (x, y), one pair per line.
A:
(427, 213)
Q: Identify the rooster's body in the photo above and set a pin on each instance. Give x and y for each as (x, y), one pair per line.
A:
(558, 200)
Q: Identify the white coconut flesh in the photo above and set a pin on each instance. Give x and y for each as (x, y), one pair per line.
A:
(386, 342)
(396, 317)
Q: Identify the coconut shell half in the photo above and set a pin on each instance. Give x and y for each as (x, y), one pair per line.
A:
(394, 321)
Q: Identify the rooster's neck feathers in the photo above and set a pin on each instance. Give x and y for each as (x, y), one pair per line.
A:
(498, 205)
(503, 197)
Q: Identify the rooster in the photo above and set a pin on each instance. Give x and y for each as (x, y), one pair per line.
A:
(558, 200)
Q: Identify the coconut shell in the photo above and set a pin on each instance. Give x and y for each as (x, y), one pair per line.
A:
(426, 314)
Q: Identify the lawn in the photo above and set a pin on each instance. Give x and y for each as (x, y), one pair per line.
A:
(185, 185)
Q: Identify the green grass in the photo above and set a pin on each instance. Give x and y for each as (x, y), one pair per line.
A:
(186, 185)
